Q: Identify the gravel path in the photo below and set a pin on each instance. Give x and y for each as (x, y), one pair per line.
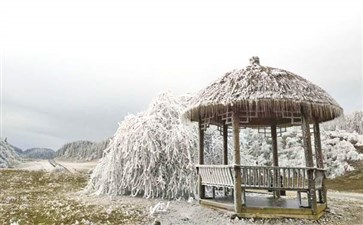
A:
(346, 196)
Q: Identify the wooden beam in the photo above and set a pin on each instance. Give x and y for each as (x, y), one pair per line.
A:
(275, 160)
(201, 188)
(225, 144)
(237, 162)
(319, 160)
(309, 161)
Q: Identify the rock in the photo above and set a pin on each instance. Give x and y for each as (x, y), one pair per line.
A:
(157, 222)
(190, 200)
(185, 219)
(233, 216)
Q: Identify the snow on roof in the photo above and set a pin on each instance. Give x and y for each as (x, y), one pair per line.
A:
(264, 89)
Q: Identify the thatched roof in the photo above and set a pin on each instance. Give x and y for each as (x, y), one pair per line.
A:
(266, 90)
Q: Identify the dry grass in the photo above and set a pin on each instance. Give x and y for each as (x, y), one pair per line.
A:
(34, 197)
(350, 182)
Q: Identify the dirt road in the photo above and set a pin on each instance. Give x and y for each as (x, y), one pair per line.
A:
(77, 167)
(345, 196)
(49, 165)
(35, 165)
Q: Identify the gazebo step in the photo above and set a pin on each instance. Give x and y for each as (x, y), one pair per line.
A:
(280, 213)
(267, 211)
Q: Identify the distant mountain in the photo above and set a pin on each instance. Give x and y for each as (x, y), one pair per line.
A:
(82, 150)
(39, 153)
(8, 155)
(19, 151)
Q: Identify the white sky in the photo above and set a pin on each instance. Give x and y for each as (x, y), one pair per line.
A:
(73, 69)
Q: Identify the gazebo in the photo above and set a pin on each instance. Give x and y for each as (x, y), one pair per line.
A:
(263, 97)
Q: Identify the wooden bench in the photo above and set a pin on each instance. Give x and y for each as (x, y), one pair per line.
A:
(263, 178)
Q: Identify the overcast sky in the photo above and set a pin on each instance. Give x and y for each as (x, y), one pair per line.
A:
(73, 69)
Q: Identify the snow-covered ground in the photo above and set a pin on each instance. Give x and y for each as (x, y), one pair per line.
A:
(35, 165)
(344, 208)
(35, 196)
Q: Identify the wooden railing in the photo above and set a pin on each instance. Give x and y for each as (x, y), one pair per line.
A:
(281, 178)
(216, 175)
(260, 177)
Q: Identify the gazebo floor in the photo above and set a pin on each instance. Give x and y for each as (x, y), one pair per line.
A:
(265, 206)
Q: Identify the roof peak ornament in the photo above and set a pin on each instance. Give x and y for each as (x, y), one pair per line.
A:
(255, 60)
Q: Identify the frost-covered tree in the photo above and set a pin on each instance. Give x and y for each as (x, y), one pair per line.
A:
(254, 148)
(351, 122)
(339, 149)
(151, 154)
(82, 150)
(213, 146)
(8, 156)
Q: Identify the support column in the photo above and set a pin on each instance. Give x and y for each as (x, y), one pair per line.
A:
(225, 151)
(225, 144)
(319, 160)
(309, 161)
(275, 160)
(237, 161)
(201, 189)
(318, 152)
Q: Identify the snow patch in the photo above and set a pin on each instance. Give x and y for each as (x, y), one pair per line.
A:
(160, 207)
(58, 169)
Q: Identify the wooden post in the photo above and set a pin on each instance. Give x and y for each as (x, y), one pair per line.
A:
(237, 161)
(309, 161)
(319, 159)
(318, 152)
(275, 160)
(225, 151)
(225, 144)
(201, 188)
